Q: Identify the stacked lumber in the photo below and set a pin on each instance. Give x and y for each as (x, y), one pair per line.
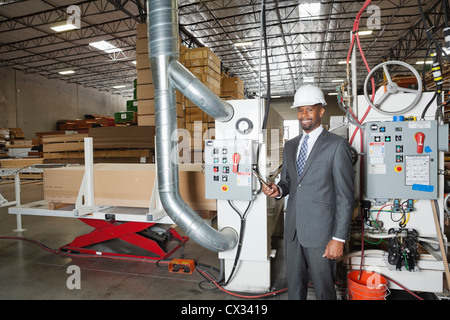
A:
(127, 185)
(133, 137)
(13, 143)
(110, 144)
(429, 79)
(22, 164)
(82, 125)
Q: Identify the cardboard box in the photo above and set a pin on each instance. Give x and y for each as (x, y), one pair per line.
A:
(146, 120)
(142, 46)
(145, 91)
(141, 31)
(203, 62)
(142, 61)
(123, 184)
(202, 53)
(144, 76)
(230, 84)
(146, 106)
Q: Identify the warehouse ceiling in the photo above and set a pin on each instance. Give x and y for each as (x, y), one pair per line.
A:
(306, 40)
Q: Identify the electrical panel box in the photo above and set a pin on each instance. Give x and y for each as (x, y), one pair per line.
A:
(401, 160)
(228, 169)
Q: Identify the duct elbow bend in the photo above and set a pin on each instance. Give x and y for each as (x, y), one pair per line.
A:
(193, 89)
(195, 227)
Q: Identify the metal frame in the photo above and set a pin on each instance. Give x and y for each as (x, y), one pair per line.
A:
(110, 222)
(217, 24)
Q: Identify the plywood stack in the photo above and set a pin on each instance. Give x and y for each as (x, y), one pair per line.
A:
(145, 94)
(111, 144)
(13, 143)
(128, 185)
(80, 125)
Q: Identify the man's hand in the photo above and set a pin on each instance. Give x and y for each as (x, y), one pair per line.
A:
(334, 249)
(271, 191)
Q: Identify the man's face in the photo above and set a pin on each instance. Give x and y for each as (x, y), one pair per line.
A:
(309, 116)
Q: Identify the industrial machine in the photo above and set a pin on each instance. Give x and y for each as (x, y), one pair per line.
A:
(400, 184)
(399, 178)
(233, 162)
(246, 218)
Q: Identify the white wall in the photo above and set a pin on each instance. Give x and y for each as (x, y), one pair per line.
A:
(34, 103)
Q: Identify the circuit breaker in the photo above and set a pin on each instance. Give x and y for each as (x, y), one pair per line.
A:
(401, 159)
(228, 169)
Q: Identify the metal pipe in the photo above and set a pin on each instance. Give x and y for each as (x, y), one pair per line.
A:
(162, 20)
(193, 89)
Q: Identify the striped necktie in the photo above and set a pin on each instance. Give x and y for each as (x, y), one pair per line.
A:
(302, 155)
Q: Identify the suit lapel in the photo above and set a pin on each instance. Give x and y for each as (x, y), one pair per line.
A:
(314, 152)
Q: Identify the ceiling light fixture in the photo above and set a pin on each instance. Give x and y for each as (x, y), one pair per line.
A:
(344, 62)
(309, 11)
(119, 86)
(365, 32)
(105, 46)
(426, 62)
(64, 27)
(243, 44)
(338, 80)
(65, 72)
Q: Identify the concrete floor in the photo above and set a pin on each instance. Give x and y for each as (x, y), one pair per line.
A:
(28, 272)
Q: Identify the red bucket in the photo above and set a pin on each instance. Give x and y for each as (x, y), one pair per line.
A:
(370, 286)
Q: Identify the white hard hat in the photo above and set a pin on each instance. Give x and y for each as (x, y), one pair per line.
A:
(308, 95)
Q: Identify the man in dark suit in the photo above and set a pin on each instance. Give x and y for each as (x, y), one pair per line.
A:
(318, 177)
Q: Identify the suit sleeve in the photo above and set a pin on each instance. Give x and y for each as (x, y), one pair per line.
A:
(284, 182)
(344, 188)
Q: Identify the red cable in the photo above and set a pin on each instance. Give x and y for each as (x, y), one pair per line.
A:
(239, 295)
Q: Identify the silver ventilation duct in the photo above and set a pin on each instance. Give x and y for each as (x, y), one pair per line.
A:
(168, 75)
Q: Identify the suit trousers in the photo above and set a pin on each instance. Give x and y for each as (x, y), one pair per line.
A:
(303, 262)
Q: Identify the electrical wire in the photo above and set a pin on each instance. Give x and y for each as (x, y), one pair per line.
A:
(427, 30)
(203, 269)
(242, 216)
(265, 295)
(263, 39)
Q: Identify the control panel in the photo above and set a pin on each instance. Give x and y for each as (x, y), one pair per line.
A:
(228, 169)
(401, 160)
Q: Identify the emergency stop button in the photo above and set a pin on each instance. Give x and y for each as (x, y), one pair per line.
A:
(224, 188)
(398, 168)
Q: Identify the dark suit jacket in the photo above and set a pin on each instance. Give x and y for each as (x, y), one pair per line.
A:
(320, 203)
